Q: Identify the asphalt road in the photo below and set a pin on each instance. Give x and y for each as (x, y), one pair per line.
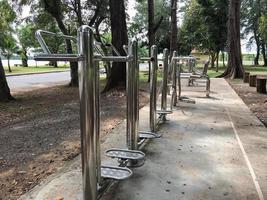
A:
(30, 82)
(35, 81)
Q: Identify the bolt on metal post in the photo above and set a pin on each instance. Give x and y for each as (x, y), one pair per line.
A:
(88, 112)
(153, 88)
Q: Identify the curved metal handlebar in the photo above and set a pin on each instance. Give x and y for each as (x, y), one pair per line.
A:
(39, 37)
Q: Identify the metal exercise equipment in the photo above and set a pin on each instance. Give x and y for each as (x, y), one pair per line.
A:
(153, 112)
(197, 74)
(96, 176)
(176, 72)
(193, 73)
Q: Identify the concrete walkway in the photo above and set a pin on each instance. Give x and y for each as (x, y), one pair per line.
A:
(213, 150)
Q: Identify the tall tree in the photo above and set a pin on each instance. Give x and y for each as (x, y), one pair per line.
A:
(55, 8)
(25, 35)
(214, 14)
(174, 28)
(193, 31)
(7, 16)
(263, 33)
(250, 15)
(152, 27)
(139, 25)
(5, 94)
(235, 68)
(9, 47)
(119, 38)
(151, 23)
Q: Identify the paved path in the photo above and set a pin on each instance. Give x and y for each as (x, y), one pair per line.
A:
(213, 150)
(35, 81)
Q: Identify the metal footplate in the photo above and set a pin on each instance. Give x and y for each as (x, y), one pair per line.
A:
(125, 154)
(117, 173)
(187, 100)
(185, 75)
(148, 135)
(164, 112)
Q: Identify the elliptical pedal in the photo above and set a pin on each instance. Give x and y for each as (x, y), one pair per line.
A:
(187, 100)
(125, 154)
(117, 173)
(148, 135)
(164, 112)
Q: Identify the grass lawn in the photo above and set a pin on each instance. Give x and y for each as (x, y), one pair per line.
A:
(259, 70)
(32, 69)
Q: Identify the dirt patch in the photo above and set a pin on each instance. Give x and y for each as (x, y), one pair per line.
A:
(255, 101)
(40, 132)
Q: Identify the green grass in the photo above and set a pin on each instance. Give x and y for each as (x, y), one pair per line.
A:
(38, 69)
(258, 70)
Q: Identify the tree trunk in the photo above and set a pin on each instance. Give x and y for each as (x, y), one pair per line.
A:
(151, 33)
(174, 28)
(5, 94)
(217, 61)
(119, 35)
(55, 64)
(213, 58)
(257, 40)
(223, 59)
(54, 8)
(24, 59)
(263, 49)
(8, 64)
(234, 68)
(73, 65)
(24, 62)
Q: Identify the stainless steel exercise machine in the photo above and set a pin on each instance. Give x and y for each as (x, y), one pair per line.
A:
(163, 111)
(96, 176)
(176, 74)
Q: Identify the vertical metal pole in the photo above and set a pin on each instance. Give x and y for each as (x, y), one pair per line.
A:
(174, 79)
(97, 107)
(179, 78)
(208, 87)
(136, 93)
(190, 65)
(164, 80)
(132, 97)
(129, 89)
(153, 88)
(88, 122)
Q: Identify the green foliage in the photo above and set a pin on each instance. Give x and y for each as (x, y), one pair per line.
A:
(7, 16)
(263, 28)
(26, 35)
(139, 26)
(204, 26)
(7, 41)
(192, 34)
(9, 46)
(253, 21)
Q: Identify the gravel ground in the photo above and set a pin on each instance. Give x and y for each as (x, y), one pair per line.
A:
(255, 101)
(40, 133)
